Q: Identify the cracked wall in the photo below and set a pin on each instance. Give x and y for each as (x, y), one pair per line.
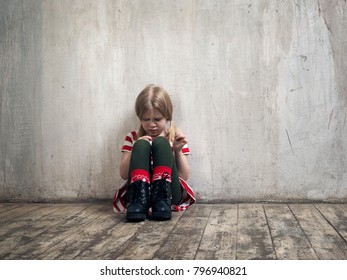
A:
(258, 86)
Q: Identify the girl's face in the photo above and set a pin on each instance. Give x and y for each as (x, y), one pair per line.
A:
(153, 123)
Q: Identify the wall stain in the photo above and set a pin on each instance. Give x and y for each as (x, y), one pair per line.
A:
(290, 142)
(331, 114)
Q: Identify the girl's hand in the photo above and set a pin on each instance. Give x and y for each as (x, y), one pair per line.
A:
(179, 142)
(145, 137)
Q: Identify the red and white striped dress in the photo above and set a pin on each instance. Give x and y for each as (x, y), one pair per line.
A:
(187, 194)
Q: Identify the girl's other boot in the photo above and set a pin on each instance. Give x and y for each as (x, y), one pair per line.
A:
(138, 201)
(161, 199)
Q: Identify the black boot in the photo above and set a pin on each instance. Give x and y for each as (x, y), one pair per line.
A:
(161, 200)
(138, 201)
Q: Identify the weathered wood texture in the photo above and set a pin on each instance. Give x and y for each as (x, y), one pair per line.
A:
(227, 231)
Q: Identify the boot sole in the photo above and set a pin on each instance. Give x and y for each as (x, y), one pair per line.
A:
(136, 217)
(160, 216)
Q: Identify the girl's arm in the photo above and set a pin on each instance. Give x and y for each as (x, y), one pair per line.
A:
(124, 165)
(182, 164)
(125, 160)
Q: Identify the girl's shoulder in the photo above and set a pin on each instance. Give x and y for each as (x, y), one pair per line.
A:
(132, 135)
(129, 141)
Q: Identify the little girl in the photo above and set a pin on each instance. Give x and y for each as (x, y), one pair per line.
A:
(154, 162)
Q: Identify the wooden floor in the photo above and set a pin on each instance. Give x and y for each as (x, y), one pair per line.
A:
(205, 231)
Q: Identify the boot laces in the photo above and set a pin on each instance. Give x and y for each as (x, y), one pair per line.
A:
(165, 176)
(137, 194)
(163, 188)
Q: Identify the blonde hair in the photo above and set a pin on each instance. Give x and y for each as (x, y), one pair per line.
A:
(156, 98)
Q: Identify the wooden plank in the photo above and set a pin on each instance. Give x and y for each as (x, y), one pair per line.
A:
(24, 223)
(111, 242)
(324, 239)
(148, 239)
(289, 240)
(73, 227)
(185, 238)
(27, 247)
(30, 229)
(336, 215)
(16, 212)
(130, 240)
(88, 231)
(344, 206)
(8, 206)
(14, 239)
(253, 237)
(80, 240)
(219, 238)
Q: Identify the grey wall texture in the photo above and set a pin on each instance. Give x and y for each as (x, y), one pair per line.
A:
(259, 87)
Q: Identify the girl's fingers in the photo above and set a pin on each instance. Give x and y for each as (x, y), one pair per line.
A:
(146, 137)
(183, 140)
(180, 141)
(180, 137)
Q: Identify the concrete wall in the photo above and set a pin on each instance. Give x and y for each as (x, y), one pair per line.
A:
(259, 87)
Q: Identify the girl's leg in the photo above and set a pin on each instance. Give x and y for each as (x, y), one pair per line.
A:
(139, 181)
(139, 168)
(166, 186)
(164, 161)
(175, 185)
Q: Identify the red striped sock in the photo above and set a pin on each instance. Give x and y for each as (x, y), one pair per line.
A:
(139, 175)
(158, 172)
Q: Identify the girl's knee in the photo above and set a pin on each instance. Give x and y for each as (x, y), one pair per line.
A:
(142, 144)
(160, 141)
(161, 147)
